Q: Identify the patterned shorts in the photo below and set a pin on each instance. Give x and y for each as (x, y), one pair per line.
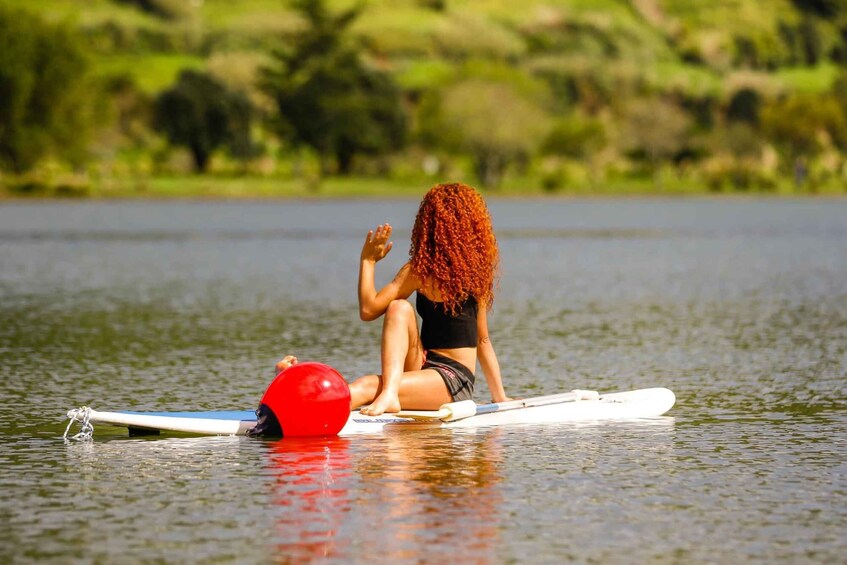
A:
(458, 378)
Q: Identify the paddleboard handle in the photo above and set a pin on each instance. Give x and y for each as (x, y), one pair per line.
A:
(459, 410)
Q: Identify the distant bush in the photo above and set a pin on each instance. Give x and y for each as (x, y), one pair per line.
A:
(655, 130)
(839, 90)
(744, 106)
(741, 176)
(576, 137)
(168, 9)
(802, 125)
(813, 45)
(434, 5)
(572, 36)
(581, 82)
(823, 8)
(463, 36)
(740, 140)
(130, 109)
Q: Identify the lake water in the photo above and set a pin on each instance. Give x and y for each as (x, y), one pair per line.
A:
(738, 306)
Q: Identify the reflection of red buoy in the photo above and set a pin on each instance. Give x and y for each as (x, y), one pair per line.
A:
(306, 399)
(311, 489)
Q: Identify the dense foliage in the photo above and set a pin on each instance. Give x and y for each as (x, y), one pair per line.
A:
(327, 98)
(44, 103)
(560, 94)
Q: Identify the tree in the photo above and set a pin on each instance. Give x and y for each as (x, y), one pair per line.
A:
(327, 98)
(656, 129)
(201, 114)
(801, 125)
(744, 107)
(45, 99)
(823, 8)
(492, 121)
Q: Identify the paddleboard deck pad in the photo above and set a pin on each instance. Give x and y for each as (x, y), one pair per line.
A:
(642, 403)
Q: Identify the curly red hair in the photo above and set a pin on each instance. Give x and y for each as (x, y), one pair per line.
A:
(453, 245)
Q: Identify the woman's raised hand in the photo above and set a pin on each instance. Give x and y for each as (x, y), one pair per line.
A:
(376, 244)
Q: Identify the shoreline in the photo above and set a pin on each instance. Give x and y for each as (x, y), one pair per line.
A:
(489, 195)
(267, 189)
(16, 201)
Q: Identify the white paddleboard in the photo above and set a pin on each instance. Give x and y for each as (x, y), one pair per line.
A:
(642, 403)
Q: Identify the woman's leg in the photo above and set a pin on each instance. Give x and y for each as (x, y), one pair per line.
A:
(402, 383)
(419, 390)
(402, 357)
(401, 352)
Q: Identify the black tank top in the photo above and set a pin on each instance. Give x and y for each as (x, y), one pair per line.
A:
(440, 330)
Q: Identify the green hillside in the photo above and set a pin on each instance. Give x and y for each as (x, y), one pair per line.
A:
(638, 95)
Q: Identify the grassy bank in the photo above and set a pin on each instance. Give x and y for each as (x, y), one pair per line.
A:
(259, 187)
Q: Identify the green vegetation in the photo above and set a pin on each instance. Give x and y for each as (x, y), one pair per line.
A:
(43, 102)
(327, 99)
(340, 97)
(202, 114)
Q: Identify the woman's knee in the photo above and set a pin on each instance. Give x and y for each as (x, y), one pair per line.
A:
(400, 309)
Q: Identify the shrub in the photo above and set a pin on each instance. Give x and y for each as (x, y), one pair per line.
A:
(801, 125)
(744, 106)
(655, 130)
(167, 9)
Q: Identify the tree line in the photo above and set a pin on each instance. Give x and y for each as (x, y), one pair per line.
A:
(329, 96)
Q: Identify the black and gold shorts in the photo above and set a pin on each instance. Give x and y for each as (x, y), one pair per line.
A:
(458, 378)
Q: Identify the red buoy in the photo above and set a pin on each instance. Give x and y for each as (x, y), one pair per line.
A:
(308, 399)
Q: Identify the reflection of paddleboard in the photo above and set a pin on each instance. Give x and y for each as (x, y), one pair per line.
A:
(575, 406)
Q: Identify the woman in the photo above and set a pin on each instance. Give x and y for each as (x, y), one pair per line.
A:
(452, 266)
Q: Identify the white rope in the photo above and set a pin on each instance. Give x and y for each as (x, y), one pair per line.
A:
(82, 415)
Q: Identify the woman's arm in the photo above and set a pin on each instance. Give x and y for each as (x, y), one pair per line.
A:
(488, 359)
(373, 303)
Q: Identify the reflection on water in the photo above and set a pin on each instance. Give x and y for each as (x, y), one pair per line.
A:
(311, 491)
(393, 498)
(435, 495)
(740, 307)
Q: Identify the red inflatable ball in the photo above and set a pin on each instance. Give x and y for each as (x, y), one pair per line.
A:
(306, 399)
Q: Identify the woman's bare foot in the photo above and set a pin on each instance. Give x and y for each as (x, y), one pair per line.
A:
(385, 402)
(285, 363)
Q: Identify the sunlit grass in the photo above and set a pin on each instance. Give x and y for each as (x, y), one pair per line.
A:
(85, 12)
(687, 79)
(811, 80)
(151, 73)
(729, 15)
(217, 186)
(214, 186)
(419, 74)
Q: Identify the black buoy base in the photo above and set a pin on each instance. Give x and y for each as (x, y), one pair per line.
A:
(267, 424)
